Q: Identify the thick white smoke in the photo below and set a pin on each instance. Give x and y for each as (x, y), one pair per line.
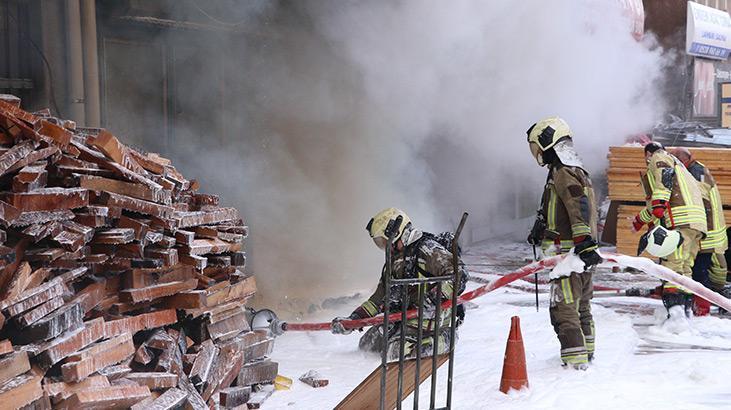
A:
(354, 106)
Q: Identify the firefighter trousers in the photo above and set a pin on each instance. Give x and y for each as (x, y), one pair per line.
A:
(570, 312)
(681, 261)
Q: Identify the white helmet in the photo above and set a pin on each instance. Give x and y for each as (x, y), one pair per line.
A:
(660, 242)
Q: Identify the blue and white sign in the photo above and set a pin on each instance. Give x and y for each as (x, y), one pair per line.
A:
(708, 32)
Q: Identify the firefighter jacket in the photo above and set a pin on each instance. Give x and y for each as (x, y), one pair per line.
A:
(668, 180)
(716, 239)
(568, 206)
(424, 258)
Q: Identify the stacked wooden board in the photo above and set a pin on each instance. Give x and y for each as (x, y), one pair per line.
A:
(120, 284)
(627, 165)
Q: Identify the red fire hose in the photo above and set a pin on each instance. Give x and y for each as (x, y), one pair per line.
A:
(411, 314)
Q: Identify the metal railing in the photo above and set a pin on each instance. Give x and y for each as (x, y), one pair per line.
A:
(404, 285)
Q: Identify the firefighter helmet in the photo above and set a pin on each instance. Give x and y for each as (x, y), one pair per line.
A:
(545, 134)
(660, 242)
(388, 222)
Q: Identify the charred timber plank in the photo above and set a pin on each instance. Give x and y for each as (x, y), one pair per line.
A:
(192, 299)
(115, 236)
(203, 364)
(154, 380)
(169, 257)
(204, 246)
(238, 259)
(29, 179)
(91, 296)
(40, 217)
(206, 232)
(91, 155)
(86, 232)
(13, 365)
(143, 321)
(34, 156)
(15, 154)
(41, 311)
(110, 146)
(262, 371)
(198, 262)
(96, 357)
(147, 163)
(21, 390)
(59, 135)
(189, 219)
(37, 277)
(143, 355)
(229, 327)
(228, 373)
(50, 199)
(70, 241)
(5, 347)
(134, 190)
(60, 391)
(184, 237)
(140, 278)
(8, 214)
(40, 231)
(68, 317)
(136, 205)
(107, 398)
(44, 255)
(139, 228)
(240, 290)
(116, 372)
(235, 396)
(18, 282)
(170, 400)
(257, 399)
(49, 353)
(156, 291)
(33, 297)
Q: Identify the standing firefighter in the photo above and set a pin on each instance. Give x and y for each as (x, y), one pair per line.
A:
(415, 254)
(710, 265)
(674, 200)
(567, 219)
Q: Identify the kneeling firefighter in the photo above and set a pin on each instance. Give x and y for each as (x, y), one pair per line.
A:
(415, 254)
(567, 219)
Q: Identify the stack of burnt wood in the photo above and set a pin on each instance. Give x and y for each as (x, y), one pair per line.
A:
(120, 284)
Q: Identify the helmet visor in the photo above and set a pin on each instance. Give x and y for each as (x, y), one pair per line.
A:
(537, 153)
(381, 242)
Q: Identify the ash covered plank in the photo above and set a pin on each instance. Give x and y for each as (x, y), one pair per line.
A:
(66, 318)
(59, 135)
(235, 396)
(93, 156)
(96, 357)
(49, 353)
(40, 217)
(15, 154)
(134, 190)
(314, 379)
(8, 214)
(115, 236)
(91, 296)
(60, 391)
(169, 257)
(204, 246)
(136, 205)
(18, 282)
(156, 291)
(107, 398)
(34, 156)
(13, 365)
(44, 255)
(140, 228)
(257, 399)
(190, 219)
(110, 146)
(40, 231)
(50, 199)
(143, 355)
(143, 321)
(140, 278)
(170, 400)
(203, 364)
(33, 297)
(21, 391)
(154, 380)
(41, 311)
(30, 178)
(262, 371)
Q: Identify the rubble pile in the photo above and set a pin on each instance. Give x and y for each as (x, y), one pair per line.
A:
(120, 284)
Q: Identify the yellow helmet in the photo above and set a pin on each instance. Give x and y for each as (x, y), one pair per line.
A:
(393, 220)
(546, 133)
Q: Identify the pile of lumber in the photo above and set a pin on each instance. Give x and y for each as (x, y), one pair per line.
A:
(120, 284)
(626, 167)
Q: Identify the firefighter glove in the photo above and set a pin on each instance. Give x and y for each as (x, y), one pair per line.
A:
(637, 224)
(586, 249)
(337, 328)
(658, 208)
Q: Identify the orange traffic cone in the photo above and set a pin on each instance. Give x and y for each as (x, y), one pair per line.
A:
(515, 374)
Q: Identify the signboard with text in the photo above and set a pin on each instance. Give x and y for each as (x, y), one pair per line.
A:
(708, 32)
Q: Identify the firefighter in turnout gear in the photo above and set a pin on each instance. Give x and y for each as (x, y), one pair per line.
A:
(674, 199)
(415, 254)
(710, 267)
(567, 219)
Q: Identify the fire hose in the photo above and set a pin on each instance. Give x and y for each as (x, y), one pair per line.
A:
(266, 319)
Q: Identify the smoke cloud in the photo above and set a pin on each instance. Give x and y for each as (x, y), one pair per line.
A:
(343, 108)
